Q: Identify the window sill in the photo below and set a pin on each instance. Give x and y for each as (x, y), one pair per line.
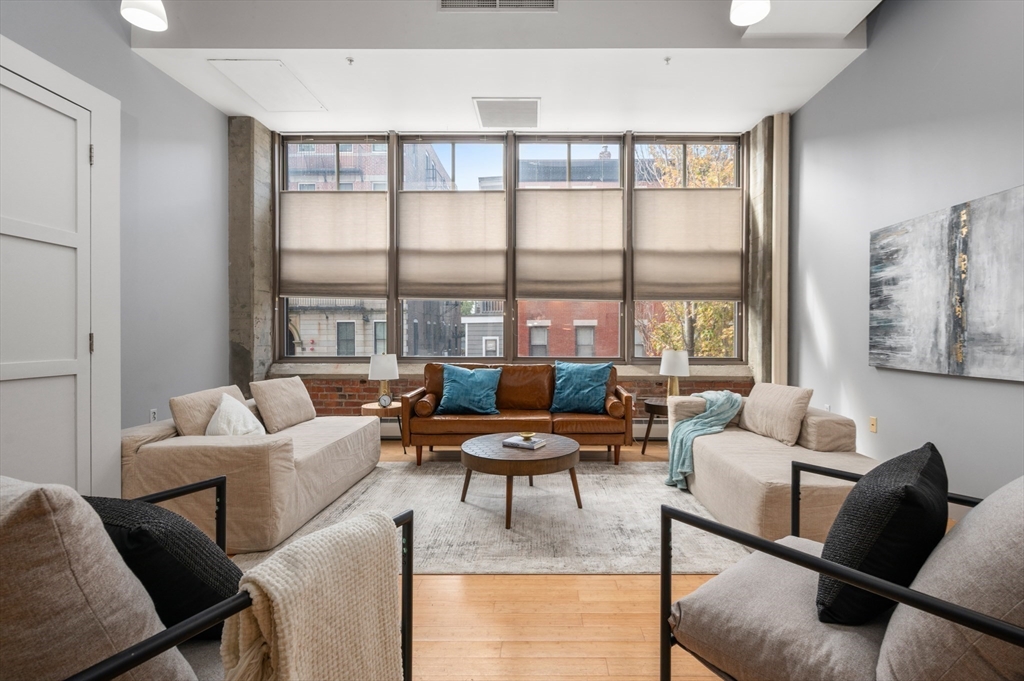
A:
(413, 370)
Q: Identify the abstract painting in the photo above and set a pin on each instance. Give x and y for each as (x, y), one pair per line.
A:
(947, 291)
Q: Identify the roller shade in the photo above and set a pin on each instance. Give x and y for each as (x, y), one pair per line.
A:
(569, 244)
(451, 245)
(687, 244)
(334, 244)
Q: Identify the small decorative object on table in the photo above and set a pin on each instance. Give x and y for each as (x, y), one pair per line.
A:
(524, 441)
(383, 368)
(674, 363)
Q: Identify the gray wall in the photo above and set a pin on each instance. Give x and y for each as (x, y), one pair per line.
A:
(931, 115)
(174, 201)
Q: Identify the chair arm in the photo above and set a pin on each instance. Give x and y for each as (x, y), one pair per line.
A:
(799, 467)
(409, 401)
(147, 649)
(626, 398)
(971, 619)
(220, 509)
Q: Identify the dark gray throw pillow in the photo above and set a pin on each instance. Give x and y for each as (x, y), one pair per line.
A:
(887, 527)
(183, 571)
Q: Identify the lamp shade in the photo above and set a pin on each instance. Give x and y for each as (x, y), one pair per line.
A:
(749, 12)
(675, 363)
(147, 14)
(383, 368)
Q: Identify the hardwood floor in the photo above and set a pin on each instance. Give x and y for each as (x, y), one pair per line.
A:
(559, 627)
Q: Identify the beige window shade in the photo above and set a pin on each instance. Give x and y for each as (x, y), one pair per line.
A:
(687, 244)
(569, 244)
(334, 244)
(451, 245)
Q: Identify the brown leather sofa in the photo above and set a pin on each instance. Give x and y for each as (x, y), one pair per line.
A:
(524, 399)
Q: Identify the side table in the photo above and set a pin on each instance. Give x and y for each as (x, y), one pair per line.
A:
(374, 409)
(654, 406)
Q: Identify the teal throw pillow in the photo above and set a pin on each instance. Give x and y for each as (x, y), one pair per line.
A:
(469, 391)
(580, 388)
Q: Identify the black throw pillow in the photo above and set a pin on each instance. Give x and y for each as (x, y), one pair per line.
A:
(887, 527)
(183, 570)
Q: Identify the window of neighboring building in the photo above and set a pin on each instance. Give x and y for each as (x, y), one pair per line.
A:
(379, 186)
(491, 344)
(346, 339)
(538, 341)
(379, 148)
(307, 186)
(345, 148)
(346, 186)
(380, 337)
(585, 341)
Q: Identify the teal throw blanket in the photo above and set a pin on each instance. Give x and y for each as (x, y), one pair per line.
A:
(722, 406)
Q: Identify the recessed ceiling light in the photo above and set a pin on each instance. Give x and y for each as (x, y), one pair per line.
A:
(749, 12)
(146, 14)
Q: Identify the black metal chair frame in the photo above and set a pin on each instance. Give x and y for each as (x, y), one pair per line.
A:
(149, 648)
(944, 609)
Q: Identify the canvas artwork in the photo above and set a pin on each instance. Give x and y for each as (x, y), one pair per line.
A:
(947, 291)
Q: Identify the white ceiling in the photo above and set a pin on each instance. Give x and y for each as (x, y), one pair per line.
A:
(611, 76)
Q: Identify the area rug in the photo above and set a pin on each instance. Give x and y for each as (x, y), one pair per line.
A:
(618, 530)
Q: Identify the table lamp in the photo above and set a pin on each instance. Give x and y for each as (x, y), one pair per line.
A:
(383, 368)
(674, 363)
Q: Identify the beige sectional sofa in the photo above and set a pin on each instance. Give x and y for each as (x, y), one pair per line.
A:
(744, 478)
(275, 482)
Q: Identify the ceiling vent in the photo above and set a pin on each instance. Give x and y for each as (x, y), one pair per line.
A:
(510, 113)
(498, 5)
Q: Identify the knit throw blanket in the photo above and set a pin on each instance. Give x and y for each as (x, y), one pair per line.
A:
(721, 407)
(324, 607)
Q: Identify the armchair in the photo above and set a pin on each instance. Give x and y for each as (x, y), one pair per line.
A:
(758, 619)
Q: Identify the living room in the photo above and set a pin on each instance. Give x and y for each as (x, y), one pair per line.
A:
(326, 202)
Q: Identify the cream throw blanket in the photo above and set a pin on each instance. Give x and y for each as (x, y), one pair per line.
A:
(324, 607)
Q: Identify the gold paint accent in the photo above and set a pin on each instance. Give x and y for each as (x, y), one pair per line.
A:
(963, 265)
(959, 349)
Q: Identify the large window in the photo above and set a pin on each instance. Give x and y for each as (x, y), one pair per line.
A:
(435, 251)
(452, 328)
(339, 327)
(705, 329)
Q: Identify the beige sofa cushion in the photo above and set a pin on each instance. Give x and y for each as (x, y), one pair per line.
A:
(744, 480)
(978, 566)
(758, 620)
(824, 431)
(67, 600)
(283, 402)
(192, 412)
(776, 411)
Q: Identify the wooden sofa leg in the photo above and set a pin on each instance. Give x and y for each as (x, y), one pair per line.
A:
(419, 454)
(617, 448)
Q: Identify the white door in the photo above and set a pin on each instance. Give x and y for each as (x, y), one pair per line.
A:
(44, 286)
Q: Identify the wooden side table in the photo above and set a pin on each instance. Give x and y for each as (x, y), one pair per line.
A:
(654, 406)
(374, 409)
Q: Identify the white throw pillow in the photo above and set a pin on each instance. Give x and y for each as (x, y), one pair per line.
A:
(234, 418)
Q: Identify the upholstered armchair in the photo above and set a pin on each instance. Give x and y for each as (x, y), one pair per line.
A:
(961, 617)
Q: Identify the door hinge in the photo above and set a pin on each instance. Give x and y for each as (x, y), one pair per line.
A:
(92, 155)
(92, 346)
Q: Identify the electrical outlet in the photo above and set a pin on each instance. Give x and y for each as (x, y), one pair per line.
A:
(873, 424)
(828, 407)
(152, 415)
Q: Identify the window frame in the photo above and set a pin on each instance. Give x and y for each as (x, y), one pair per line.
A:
(510, 141)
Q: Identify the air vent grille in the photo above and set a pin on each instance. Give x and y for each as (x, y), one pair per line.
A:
(507, 113)
(498, 5)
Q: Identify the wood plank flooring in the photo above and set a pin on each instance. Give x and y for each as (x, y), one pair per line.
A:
(536, 627)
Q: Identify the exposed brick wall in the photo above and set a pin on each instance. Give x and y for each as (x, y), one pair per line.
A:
(344, 396)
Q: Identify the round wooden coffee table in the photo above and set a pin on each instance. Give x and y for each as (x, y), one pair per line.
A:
(486, 454)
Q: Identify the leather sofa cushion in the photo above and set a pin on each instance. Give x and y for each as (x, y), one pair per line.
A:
(567, 424)
(522, 386)
(508, 421)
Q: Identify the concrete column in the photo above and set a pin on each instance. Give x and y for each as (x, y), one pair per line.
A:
(250, 250)
(759, 252)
